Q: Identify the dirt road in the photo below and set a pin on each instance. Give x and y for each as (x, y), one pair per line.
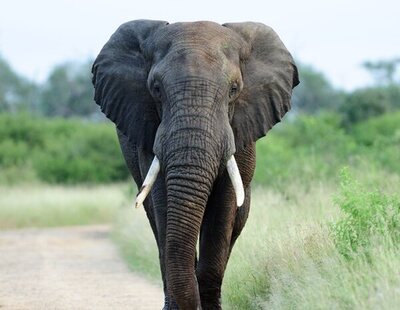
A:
(69, 268)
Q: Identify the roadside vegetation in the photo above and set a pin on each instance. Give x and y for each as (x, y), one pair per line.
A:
(319, 235)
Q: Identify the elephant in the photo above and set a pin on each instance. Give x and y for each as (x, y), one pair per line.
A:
(189, 100)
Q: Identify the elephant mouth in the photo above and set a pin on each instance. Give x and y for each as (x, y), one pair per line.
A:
(231, 166)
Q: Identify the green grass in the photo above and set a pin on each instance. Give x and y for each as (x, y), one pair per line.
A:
(290, 255)
(46, 206)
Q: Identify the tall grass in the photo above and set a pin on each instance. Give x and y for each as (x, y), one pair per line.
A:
(290, 256)
(46, 206)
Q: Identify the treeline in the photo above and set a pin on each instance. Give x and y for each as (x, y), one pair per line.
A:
(316, 95)
(47, 132)
(67, 92)
(314, 148)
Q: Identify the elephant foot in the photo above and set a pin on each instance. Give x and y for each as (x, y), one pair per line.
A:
(211, 299)
(211, 306)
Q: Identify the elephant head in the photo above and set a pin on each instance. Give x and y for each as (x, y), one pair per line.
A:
(193, 94)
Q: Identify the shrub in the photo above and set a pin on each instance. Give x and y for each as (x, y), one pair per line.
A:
(379, 129)
(368, 216)
(310, 147)
(89, 154)
(13, 152)
(59, 150)
(21, 129)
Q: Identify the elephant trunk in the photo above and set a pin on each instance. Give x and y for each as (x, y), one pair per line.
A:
(190, 173)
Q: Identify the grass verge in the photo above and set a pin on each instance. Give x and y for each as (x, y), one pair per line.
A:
(288, 255)
(49, 206)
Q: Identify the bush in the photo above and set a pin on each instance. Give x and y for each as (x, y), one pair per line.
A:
(379, 141)
(13, 152)
(366, 103)
(22, 129)
(59, 150)
(380, 129)
(368, 216)
(310, 147)
(92, 157)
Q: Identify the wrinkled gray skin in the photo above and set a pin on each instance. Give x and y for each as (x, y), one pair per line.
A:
(193, 94)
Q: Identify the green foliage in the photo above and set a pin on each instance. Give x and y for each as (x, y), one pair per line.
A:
(60, 151)
(316, 147)
(363, 104)
(311, 147)
(92, 156)
(379, 141)
(368, 216)
(384, 129)
(369, 102)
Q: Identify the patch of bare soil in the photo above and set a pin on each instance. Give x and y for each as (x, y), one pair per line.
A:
(69, 268)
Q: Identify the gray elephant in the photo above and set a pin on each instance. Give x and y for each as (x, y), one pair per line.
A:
(189, 100)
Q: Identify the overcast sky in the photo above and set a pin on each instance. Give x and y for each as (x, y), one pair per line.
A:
(335, 36)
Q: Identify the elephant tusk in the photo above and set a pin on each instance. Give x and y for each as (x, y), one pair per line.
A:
(236, 179)
(148, 182)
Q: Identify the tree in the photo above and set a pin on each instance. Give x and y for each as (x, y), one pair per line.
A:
(315, 93)
(16, 93)
(364, 103)
(69, 92)
(381, 98)
(383, 71)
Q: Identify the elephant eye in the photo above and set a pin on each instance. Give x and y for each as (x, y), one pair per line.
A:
(234, 89)
(157, 90)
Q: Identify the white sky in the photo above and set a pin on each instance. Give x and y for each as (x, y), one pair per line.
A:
(334, 36)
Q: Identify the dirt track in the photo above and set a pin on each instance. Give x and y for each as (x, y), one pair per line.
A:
(69, 268)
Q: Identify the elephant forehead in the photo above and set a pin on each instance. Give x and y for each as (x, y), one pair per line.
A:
(192, 35)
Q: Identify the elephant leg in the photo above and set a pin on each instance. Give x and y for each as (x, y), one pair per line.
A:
(216, 235)
(222, 224)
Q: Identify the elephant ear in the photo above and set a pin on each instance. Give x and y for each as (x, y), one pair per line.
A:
(269, 74)
(120, 80)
